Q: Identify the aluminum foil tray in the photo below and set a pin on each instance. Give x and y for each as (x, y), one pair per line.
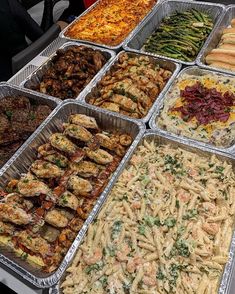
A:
(194, 71)
(10, 90)
(23, 159)
(214, 40)
(36, 76)
(167, 64)
(115, 48)
(162, 139)
(136, 41)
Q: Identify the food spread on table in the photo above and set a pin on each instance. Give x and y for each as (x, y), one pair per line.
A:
(180, 35)
(166, 227)
(201, 107)
(131, 86)
(42, 211)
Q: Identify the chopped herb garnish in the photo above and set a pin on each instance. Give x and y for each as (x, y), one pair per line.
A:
(191, 213)
(141, 229)
(116, 229)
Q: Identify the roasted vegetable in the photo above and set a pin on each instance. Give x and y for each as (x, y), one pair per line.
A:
(180, 35)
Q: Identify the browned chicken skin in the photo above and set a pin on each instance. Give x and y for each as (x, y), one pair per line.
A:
(131, 86)
(70, 71)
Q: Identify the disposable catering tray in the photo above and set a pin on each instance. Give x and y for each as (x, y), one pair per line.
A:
(162, 139)
(194, 71)
(35, 78)
(11, 90)
(23, 159)
(115, 48)
(214, 40)
(166, 64)
(136, 41)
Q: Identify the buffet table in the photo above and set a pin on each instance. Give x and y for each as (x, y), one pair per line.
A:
(153, 114)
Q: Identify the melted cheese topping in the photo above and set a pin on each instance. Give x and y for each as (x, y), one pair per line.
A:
(110, 21)
(217, 133)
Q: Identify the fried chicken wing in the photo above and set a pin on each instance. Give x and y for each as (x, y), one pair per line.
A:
(62, 143)
(48, 153)
(56, 218)
(47, 170)
(29, 186)
(100, 156)
(67, 199)
(36, 244)
(85, 169)
(13, 214)
(83, 120)
(79, 186)
(77, 132)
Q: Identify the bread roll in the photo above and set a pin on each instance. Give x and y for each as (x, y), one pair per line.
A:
(228, 41)
(227, 46)
(224, 51)
(228, 36)
(229, 31)
(223, 65)
(220, 57)
(233, 22)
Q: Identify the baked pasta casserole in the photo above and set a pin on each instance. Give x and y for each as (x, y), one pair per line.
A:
(110, 21)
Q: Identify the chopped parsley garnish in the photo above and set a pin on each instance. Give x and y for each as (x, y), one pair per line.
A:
(219, 169)
(116, 229)
(141, 229)
(191, 213)
(174, 166)
(160, 275)
(93, 267)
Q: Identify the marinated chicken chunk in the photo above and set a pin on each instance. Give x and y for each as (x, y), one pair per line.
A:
(77, 132)
(85, 169)
(48, 153)
(42, 211)
(62, 143)
(49, 233)
(13, 214)
(67, 199)
(100, 156)
(17, 199)
(131, 86)
(29, 186)
(70, 70)
(35, 244)
(79, 186)
(87, 122)
(44, 169)
(106, 142)
(6, 228)
(56, 218)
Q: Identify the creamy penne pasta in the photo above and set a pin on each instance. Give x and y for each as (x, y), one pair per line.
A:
(179, 248)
